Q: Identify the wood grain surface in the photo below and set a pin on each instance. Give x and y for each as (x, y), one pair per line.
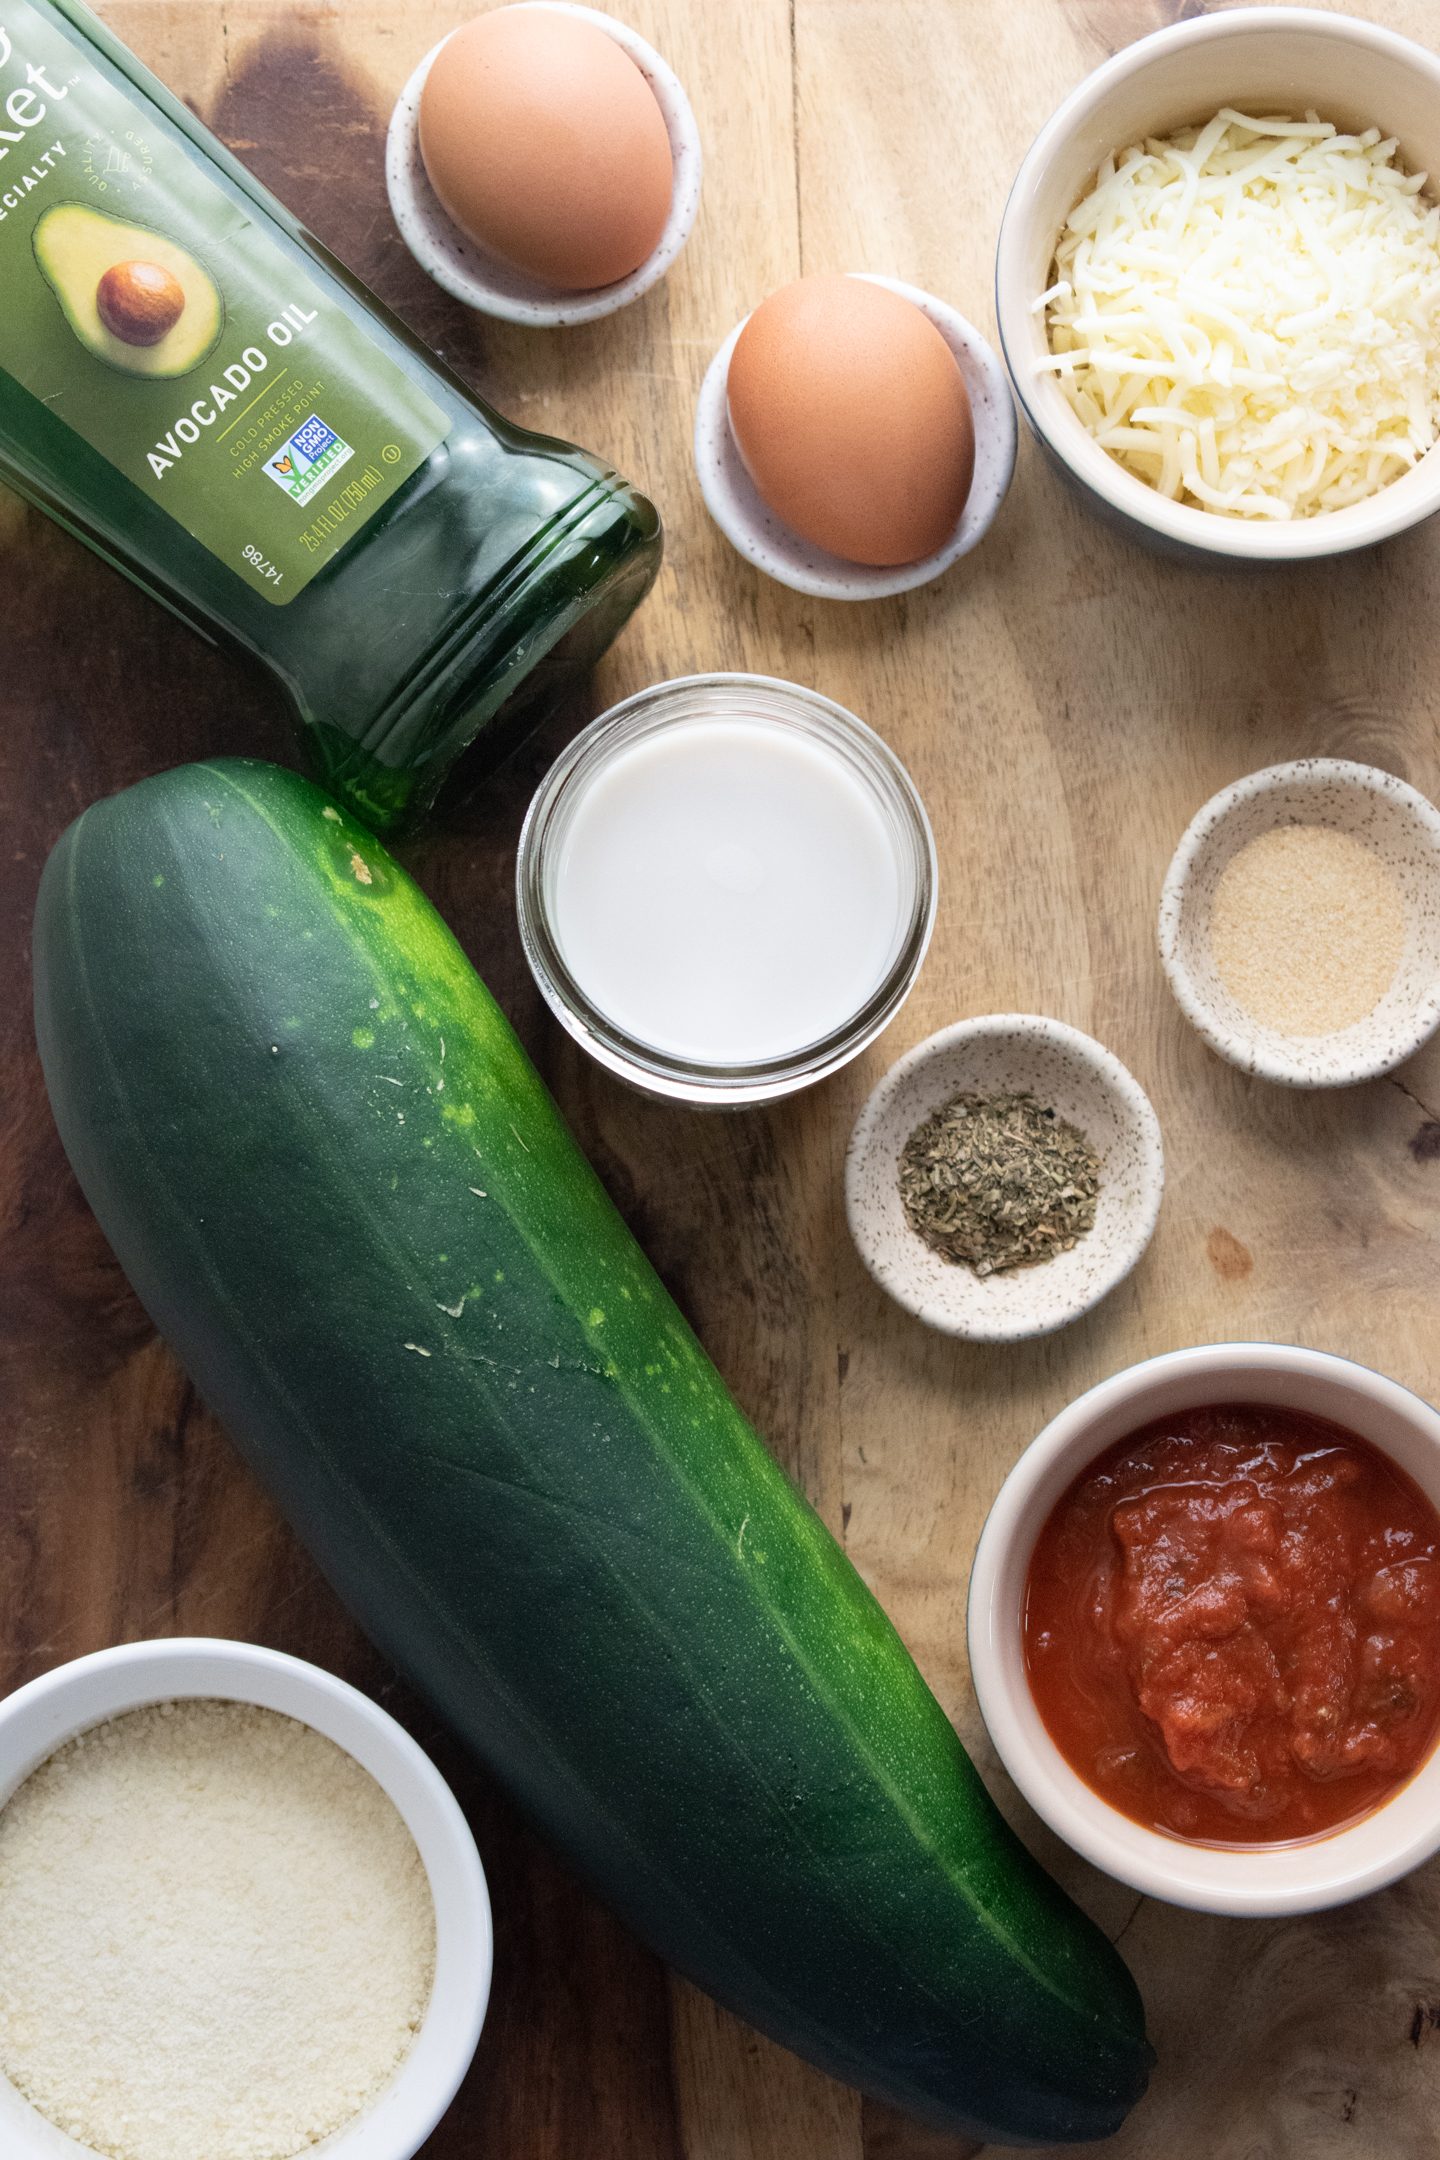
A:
(1065, 703)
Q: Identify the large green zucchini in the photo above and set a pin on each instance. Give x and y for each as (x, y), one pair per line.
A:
(349, 1203)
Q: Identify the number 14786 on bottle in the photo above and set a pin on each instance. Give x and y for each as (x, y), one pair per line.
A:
(263, 565)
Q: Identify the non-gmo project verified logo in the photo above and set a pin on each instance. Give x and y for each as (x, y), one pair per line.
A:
(313, 452)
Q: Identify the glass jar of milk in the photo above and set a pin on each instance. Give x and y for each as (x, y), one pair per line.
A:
(726, 888)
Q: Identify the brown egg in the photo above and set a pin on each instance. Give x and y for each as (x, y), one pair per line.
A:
(545, 144)
(852, 419)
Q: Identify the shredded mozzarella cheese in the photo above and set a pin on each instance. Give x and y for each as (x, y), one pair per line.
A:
(1247, 315)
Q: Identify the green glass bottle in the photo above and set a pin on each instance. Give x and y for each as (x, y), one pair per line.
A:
(196, 388)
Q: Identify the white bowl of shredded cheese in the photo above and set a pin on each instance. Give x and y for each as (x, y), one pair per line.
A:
(1218, 285)
(243, 1911)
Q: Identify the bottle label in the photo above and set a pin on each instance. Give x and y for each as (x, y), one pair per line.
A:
(151, 313)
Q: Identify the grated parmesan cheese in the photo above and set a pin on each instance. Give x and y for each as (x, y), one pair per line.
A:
(217, 1939)
(1247, 315)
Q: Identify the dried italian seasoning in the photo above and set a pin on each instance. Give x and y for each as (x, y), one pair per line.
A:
(998, 1181)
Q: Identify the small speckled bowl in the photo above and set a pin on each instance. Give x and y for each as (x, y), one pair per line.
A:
(757, 534)
(492, 287)
(1007, 1053)
(1400, 826)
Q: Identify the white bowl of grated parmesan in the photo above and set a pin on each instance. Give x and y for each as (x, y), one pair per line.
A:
(241, 1915)
(1218, 285)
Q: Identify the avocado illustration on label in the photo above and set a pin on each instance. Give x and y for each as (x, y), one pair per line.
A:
(134, 298)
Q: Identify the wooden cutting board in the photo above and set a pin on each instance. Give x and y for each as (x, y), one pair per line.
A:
(1065, 703)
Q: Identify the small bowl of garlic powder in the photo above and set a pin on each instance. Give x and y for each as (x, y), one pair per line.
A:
(241, 1915)
(1218, 286)
(1300, 923)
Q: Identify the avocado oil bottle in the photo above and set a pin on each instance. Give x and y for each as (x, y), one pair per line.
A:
(191, 384)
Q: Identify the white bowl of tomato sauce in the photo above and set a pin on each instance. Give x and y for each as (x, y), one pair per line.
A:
(1204, 1628)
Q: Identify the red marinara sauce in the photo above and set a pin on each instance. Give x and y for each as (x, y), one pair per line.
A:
(1232, 1625)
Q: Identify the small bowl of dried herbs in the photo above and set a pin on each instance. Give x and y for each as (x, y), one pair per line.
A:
(1003, 1177)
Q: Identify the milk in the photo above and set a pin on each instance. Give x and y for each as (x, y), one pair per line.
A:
(728, 891)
